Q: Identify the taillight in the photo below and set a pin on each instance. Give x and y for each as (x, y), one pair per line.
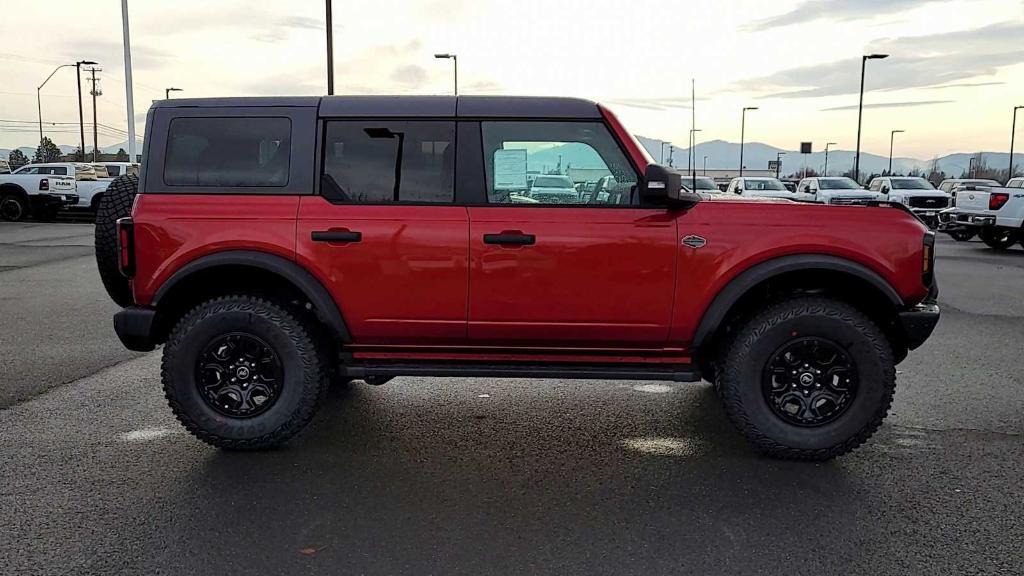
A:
(928, 258)
(44, 183)
(126, 246)
(997, 199)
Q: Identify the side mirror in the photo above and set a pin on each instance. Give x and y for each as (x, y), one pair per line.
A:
(663, 186)
(885, 190)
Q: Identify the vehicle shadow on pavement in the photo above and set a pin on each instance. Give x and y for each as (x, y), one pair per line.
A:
(571, 477)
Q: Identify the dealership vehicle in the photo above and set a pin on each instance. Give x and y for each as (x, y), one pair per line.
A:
(703, 185)
(995, 212)
(916, 193)
(554, 189)
(273, 245)
(5, 167)
(951, 185)
(947, 217)
(834, 190)
(115, 169)
(760, 187)
(36, 190)
(89, 186)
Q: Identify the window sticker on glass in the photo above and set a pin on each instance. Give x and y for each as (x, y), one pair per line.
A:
(510, 169)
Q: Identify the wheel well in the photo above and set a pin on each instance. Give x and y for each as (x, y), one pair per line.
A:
(844, 286)
(227, 279)
(6, 189)
(95, 202)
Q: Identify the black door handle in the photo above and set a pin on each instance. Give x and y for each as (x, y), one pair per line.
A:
(510, 239)
(336, 236)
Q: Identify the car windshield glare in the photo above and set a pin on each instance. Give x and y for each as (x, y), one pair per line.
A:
(837, 184)
(763, 184)
(911, 184)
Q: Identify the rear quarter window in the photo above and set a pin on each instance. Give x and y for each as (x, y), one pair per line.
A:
(242, 152)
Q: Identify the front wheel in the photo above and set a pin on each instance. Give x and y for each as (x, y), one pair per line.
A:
(241, 372)
(809, 378)
(998, 238)
(962, 235)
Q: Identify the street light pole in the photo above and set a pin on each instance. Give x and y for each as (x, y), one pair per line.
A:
(827, 144)
(95, 127)
(892, 136)
(693, 153)
(778, 164)
(455, 62)
(743, 133)
(860, 109)
(1013, 132)
(705, 165)
(330, 50)
(167, 92)
(129, 96)
(39, 99)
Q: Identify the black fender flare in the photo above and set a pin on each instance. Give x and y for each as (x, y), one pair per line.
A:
(326, 308)
(744, 281)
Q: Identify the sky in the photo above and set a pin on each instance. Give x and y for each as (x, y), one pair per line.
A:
(955, 71)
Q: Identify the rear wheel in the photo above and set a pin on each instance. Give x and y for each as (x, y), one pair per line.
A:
(13, 207)
(115, 203)
(962, 235)
(241, 372)
(809, 378)
(998, 238)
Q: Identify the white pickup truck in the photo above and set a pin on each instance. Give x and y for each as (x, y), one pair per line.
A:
(916, 193)
(39, 193)
(997, 212)
(90, 184)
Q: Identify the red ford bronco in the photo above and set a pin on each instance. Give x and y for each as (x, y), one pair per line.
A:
(274, 245)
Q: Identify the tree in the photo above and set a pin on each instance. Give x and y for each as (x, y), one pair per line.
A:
(78, 155)
(47, 151)
(17, 159)
(121, 156)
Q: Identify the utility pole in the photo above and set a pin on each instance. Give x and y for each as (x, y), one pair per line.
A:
(705, 165)
(693, 124)
(81, 115)
(94, 92)
(892, 136)
(330, 51)
(778, 164)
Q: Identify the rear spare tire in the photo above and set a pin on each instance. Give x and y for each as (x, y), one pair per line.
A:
(116, 203)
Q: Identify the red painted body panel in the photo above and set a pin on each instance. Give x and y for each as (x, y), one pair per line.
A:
(742, 234)
(595, 276)
(172, 230)
(406, 282)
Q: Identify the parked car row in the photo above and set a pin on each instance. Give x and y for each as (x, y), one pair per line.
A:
(984, 208)
(42, 190)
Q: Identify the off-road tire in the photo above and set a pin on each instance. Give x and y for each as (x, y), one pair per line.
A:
(740, 383)
(13, 207)
(999, 238)
(962, 235)
(303, 358)
(116, 203)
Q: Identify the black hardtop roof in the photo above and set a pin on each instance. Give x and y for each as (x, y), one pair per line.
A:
(411, 106)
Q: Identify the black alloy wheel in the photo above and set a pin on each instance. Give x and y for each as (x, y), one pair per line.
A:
(239, 375)
(809, 381)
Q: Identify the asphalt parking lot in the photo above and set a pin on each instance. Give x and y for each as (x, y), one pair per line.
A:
(485, 476)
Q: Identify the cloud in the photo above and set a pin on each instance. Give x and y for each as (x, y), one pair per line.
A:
(965, 85)
(409, 75)
(666, 103)
(812, 10)
(915, 62)
(111, 54)
(890, 105)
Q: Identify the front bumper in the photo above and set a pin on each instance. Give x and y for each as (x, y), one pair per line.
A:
(134, 327)
(919, 322)
(929, 216)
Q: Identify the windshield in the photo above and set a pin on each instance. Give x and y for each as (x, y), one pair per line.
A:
(837, 184)
(552, 182)
(911, 184)
(763, 184)
(703, 183)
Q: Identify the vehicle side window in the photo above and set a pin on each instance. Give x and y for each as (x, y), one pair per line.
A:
(228, 152)
(27, 170)
(380, 162)
(876, 185)
(1016, 183)
(114, 171)
(555, 163)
